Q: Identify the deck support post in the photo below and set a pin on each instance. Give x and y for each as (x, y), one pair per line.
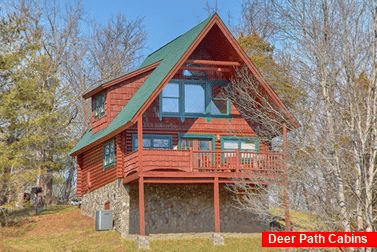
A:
(140, 135)
(141, 179)
(286, 194)
(216, 204)
(141, 207)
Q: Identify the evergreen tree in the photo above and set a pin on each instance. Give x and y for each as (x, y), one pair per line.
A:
(33, 115)
(261, 54)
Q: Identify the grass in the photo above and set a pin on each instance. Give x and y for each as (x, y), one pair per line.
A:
(65, 229)
(302, 221)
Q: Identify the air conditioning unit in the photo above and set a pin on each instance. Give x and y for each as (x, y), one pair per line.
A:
(104, 220)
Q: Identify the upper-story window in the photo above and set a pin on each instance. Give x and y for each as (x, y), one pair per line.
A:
(99, 105)
(170, 98)
(190, 98)
(195, 97)
(108, 154)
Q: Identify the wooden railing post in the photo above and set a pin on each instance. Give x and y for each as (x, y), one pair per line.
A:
(140, 141)
(238, 160)
(191, 159)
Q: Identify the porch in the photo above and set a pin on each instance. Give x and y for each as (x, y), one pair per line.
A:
(198, 166)
(203, 166)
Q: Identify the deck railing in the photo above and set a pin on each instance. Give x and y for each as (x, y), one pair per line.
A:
(131, 163)
(205, 161)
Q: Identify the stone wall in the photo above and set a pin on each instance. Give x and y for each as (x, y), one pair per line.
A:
(118, 196)
(169, 208)
(182, 208)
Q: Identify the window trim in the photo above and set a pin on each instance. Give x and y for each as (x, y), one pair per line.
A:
(207, 85)
(170, 97)
(254, 140)
(102, 98)
(113, 163)
(153, 136)
(197, 136)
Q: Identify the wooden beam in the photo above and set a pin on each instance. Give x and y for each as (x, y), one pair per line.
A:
(285, 146)
(140, 142)
(213, 62)
(141, 207)
(286, 194)
(177, 181)
(216, 204)
(209, 69)
(131, 178)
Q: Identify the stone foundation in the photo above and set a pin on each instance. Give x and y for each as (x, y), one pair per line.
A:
(117, 195)
(170, 208)
(184, 208)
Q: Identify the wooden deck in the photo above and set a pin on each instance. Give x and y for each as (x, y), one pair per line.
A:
(173, 166)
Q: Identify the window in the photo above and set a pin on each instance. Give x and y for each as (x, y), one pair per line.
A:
(99, 105)
(170, 98)
(242, 144)
(153, 142)
(189, 141)
(109, 154)
(219, 104)
(192, 98)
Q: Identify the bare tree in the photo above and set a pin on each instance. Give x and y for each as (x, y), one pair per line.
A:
(258, 16)
(268, 119)
(331, 47)
(211, 9)
(113, 49)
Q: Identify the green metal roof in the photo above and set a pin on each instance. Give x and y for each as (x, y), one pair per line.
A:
(169, 55)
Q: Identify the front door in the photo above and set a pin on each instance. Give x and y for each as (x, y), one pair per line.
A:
(201, 151)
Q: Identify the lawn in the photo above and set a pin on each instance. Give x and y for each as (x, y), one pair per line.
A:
(65, 229)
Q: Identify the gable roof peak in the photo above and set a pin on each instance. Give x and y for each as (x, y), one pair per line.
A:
(171, 56)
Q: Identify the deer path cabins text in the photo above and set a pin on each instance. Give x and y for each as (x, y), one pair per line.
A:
(165, 140)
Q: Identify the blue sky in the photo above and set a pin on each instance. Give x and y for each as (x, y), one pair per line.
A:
(163, 20)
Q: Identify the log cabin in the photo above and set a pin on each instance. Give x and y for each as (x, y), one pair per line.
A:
(165, 140)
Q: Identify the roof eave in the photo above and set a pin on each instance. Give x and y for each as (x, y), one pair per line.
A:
(119, 79)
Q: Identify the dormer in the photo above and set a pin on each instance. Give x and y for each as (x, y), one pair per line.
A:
(108, 98)
(99, 111)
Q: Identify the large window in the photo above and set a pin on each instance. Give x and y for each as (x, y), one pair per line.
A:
(109, 154)
(153, 142)
(99, 105)
(190, 98)
(194, 98)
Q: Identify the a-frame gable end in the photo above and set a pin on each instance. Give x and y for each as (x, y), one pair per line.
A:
(218, 24)
(215, 18)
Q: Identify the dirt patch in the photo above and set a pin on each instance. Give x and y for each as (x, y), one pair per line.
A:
(60, 222)
(43, 225)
